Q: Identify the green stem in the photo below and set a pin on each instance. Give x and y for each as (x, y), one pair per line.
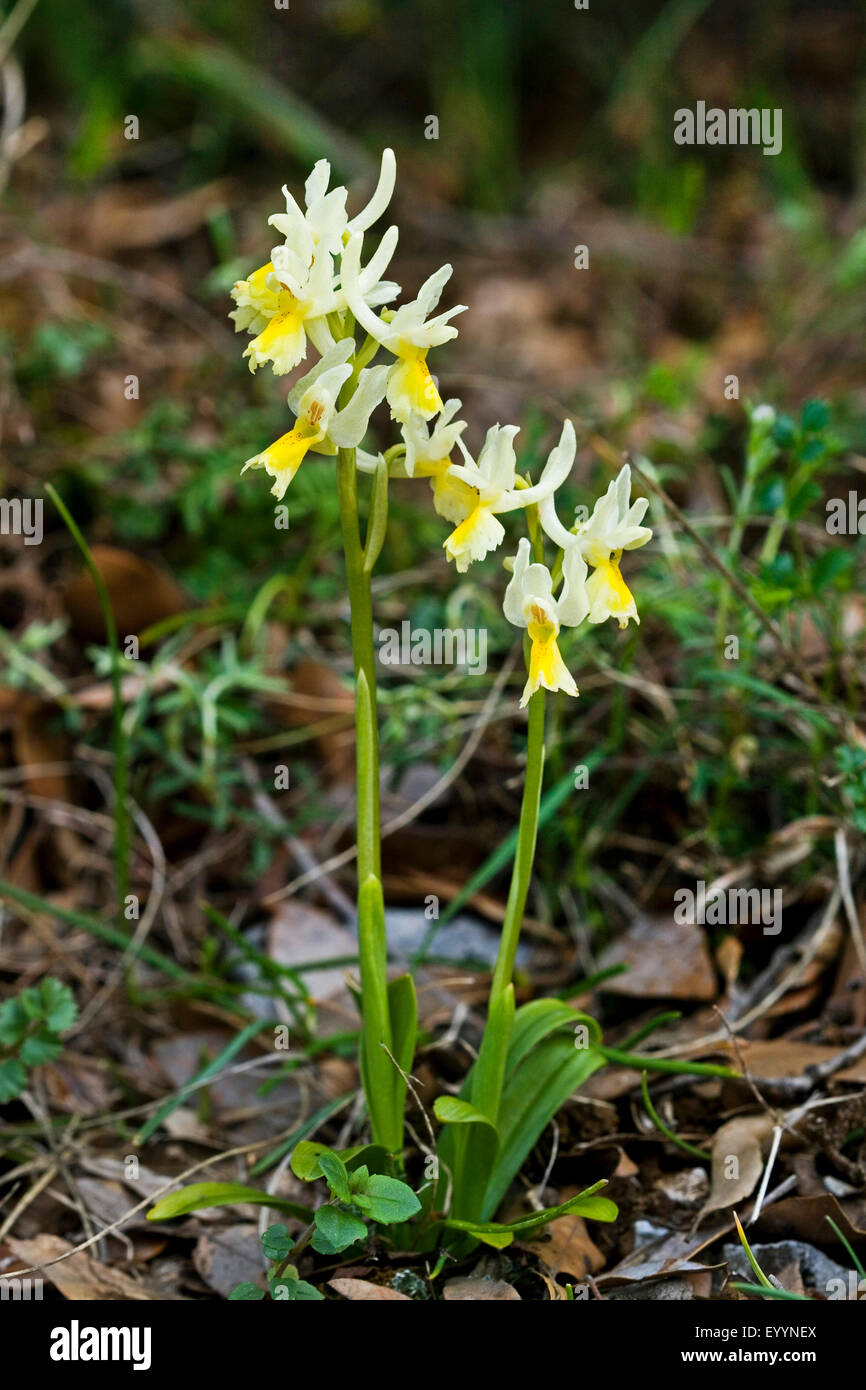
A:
(650, 1063)
(364, 656)
(525, 851)
(382, 1086)
(663, 1128)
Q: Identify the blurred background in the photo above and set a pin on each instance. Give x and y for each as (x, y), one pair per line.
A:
(143, 148)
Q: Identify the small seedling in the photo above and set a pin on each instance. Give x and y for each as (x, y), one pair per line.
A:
(31, 1025)
(357, 1197)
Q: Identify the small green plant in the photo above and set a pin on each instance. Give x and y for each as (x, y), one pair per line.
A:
(358, 1199)
(31, 1025)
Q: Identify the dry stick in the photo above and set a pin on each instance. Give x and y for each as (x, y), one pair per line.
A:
(59, 1146)
(765, 1180)
(24, 1202)
(839, 717)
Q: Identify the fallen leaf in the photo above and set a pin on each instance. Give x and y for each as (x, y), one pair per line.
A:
(737, 1160)
(139, 592)
(318, 695)
(228, 1256)
(666, 1254)
(666, 960)
(36, 744)
(363, 1291)
(79, 1278)
(566, 1246)
(480, 1290)
(805, 1218)
(778, 1057)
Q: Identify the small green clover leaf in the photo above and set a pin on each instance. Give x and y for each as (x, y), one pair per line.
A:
(30, 1028)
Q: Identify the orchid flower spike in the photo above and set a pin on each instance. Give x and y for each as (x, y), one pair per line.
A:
(492, 482)
(529, 603)
(409, 335)
(320, 426)
(613, 527)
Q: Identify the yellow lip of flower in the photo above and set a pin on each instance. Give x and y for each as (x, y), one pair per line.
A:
(476, 535)
(283, 340)
(411, 386)
(257, 282)
(283, 458)
(256, 301)
(608, 591)
(255, 289)
(452, 498)
(546, 666)
(431, 468)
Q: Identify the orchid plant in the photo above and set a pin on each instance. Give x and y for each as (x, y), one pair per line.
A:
(322, 289)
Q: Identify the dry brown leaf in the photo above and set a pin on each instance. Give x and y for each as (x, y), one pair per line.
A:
(363, 1291)
(140, 594)
(625, 1167)
(672, 1253)
(737, 1160)
(566, 1246)
(35, 743)
(79, 1278)
(729, 954)
(666, 960)
(805, 1218)
(228, 1256)
(480, 1290)
(778, 1057)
